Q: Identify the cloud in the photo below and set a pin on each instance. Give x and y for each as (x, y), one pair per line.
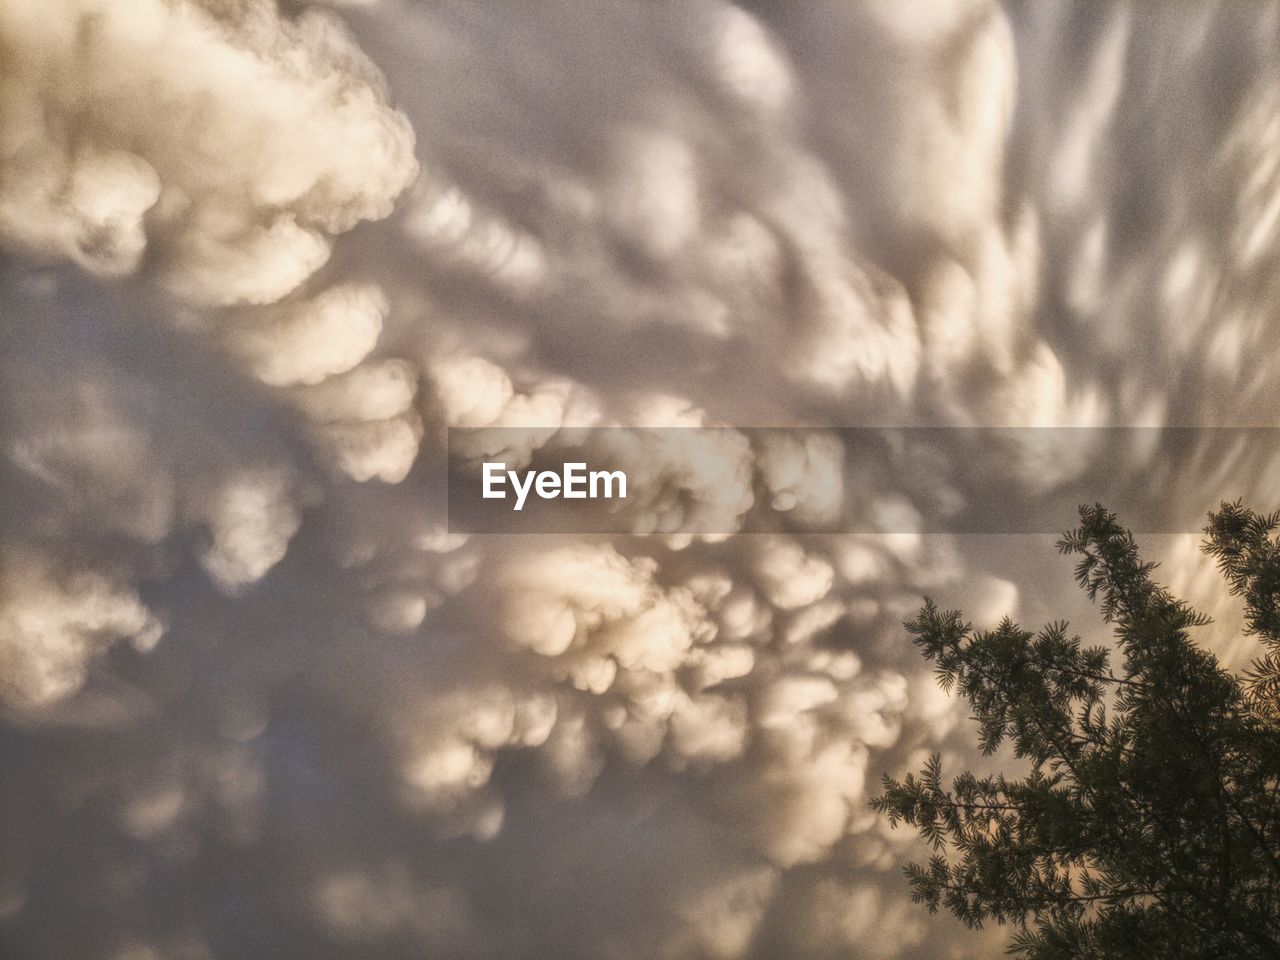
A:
(238, 136)
(55, 621)
(259, 260)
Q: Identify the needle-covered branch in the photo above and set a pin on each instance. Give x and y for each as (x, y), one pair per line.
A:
(1148, 821)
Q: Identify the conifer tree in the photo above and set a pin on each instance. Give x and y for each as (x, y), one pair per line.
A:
(1249, 557)
(1147, 823)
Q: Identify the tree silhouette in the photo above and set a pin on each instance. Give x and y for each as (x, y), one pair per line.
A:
(1149, 821)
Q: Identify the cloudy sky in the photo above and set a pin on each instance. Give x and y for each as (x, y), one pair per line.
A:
(258, 700)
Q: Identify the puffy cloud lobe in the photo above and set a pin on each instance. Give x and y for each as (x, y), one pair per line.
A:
(789, 577)
(93, 215)
(366, 421)
(450, 227)
(292, 139)
(248, 519)
(306, 342)
(582, 598)
(53, 620)
(747, 61)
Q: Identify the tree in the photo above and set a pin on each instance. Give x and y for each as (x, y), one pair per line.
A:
(1148, 824)
(1249, 557)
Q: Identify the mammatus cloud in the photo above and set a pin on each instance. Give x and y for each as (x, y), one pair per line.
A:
(208, 153)
(236, 138)
(258, 260)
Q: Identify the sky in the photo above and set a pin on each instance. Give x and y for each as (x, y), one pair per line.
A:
(258, 699)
